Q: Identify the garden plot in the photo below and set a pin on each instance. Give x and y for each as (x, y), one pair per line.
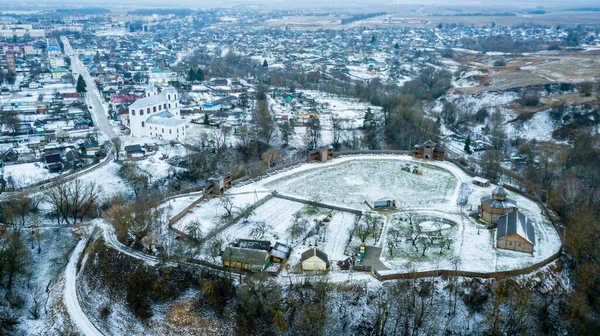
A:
(348, 183)
(277, 216)
(25, 174)
(210, 214)
(337, 235)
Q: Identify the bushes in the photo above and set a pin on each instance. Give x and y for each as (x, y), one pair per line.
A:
(500, 63)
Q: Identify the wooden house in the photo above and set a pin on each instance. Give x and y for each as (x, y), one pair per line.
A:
(496, 205)
(321, 154)
(429, 151)
(515, 232)
(314, 260)
(134, 151)
(243, 258)
(90, 147)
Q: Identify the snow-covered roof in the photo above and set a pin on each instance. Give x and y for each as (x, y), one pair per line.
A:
(149, 101)
(164, 118)
(499, 204)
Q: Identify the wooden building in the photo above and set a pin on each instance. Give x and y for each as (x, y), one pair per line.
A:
(480, 181)
(244, 258)
(496, 205)
(321, 154)
(429, 151)
(378, 200)
(515, 232)
(314, 260)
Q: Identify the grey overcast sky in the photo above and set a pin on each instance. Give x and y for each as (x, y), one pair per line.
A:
(304, 3)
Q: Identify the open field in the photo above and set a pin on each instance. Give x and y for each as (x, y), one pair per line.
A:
(531, 69)
(348, 183)
(400, 17)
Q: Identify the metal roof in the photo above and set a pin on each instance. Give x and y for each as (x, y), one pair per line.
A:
(244, 255)
(164, 118)
(515, 223)
(149, 101)
(499, 204)
(314, 252)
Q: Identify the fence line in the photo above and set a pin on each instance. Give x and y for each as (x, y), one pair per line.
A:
(487, 275)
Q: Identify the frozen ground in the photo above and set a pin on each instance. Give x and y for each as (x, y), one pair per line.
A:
(344, 181)
(26, 174)
(208, 215)
(349, 182)
(277, 213)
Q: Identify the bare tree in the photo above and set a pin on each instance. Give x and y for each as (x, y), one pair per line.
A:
(259, 229)
(226, 202)
(117, 145)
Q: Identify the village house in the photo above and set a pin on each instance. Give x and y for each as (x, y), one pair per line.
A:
(496, 205)
(134, 151)
(515, 232)
(245, 258)
(314, 260)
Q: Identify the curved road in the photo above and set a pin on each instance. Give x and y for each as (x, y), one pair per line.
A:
(70, 295)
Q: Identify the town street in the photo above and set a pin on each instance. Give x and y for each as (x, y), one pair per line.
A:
(93, 96)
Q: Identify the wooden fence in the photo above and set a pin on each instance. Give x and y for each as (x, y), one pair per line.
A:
(487, 275)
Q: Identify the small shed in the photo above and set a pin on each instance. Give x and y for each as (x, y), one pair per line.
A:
(515, 232)
(280, 252)
(314, 260)
(378, 200)
(321, 154)
(480, 181)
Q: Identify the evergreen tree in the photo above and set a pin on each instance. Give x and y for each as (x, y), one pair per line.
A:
(81, 86)
(206, 120)
(199, 75)
(396, 46)
(468, 145)
(368, 122)
(265, 64)
(373, 39)
(191, 75)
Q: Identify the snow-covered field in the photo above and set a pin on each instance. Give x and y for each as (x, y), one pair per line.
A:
(208, 215)
(349, 182)
(277, 213)
(26, 174)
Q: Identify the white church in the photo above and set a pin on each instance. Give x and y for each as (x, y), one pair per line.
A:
(157, 115)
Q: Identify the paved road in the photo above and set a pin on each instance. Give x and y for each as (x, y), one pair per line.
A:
(93, 96)
(70, 295)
